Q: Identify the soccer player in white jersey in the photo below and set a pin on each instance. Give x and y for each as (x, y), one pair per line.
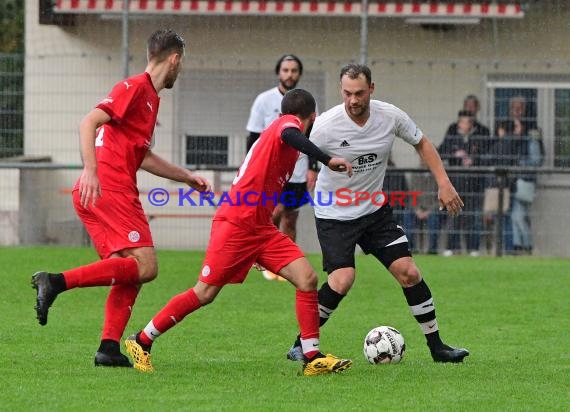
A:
(265, 109)
(363, 131)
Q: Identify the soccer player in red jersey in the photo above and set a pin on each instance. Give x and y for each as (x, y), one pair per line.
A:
(243, 233)
(115, 141)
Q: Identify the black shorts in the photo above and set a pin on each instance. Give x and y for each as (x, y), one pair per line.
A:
(373, 233)
(294, 196)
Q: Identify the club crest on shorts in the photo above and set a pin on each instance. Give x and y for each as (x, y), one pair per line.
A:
(205, 270)
(134, 236)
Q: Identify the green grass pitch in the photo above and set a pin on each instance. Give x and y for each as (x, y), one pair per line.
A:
(511, 313)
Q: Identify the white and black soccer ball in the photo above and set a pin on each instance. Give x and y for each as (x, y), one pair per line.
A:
(384, 344)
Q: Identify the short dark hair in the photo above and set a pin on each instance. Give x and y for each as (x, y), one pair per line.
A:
(353, 70)
(298, 102)
(473, 98)
(163, 42)
(465, 113)
(288, 58)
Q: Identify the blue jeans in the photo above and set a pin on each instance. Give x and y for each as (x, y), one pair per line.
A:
(520, 220)
(507, 233)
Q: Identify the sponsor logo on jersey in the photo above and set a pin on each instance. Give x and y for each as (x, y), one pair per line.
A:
(205, 270)
(345, 144)
(366, 159)
(149, 105)
(127, 85)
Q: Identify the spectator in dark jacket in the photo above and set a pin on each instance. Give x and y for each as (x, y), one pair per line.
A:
(463, 147)
(471, 105)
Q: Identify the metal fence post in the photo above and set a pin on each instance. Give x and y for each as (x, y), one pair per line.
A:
(501, 175)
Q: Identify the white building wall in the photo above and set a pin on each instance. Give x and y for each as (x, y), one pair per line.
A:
(427, 73)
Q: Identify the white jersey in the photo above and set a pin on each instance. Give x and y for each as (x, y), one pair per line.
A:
(265, 109)
(367, 148)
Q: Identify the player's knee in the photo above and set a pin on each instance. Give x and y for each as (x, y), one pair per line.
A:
(148, 272)
(308, 282)
(205, 295)
(341, 280)
(313, 280)
(290, 217)
(409, 276)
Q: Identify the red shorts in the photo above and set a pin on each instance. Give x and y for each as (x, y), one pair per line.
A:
(116, 222)
(233, 250)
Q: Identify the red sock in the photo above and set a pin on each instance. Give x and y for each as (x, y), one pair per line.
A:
(307, 306)
(175, 310)
(118, 310)
(108, 272)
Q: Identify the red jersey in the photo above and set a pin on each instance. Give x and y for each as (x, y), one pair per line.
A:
(123, 142)
(260, 180)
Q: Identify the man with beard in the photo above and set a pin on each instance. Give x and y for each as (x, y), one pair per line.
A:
(243, 233)
(364, 130)
(115, 141)
(265, 109)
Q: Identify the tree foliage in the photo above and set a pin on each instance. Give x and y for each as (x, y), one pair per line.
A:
(11, 77)
(11, 26)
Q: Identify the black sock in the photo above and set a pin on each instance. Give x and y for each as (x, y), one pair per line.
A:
(421, 305)
(57, 281)
(110, 347)
(328, 302)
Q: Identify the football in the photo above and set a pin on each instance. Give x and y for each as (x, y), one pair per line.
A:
(384, 344)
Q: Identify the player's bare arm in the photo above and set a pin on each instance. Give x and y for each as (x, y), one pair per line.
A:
(156, 165)
(89, 187)
(448, 197)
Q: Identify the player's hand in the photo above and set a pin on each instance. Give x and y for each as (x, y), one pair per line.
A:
(311, 180)
(199, 183)
(89, 188)
(449, 199)
(338, 164)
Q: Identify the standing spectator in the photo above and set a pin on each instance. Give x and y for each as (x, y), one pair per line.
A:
(521, 141)
(518, 124)
(471, 105)
(115, 141)
(463, 149)
(265, 109)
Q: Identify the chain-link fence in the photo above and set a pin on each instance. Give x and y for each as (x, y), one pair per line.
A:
(518, 69)
(498, 219)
